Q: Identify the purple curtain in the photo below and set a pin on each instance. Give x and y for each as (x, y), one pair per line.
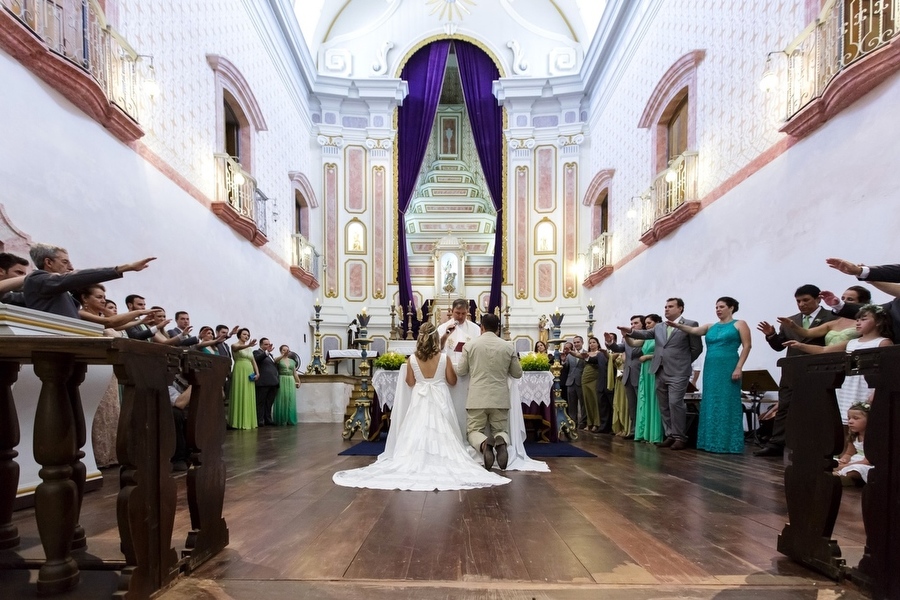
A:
(477, 73)
(424, 73)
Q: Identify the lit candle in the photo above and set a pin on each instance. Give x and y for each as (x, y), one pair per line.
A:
(317, 302)
(364, 311)
(590, 302)
(557, 310)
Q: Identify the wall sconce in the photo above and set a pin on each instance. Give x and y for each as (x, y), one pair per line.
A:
(769, 79)
(671, 174)
(238, 179)
(149, 85)
(631, 213)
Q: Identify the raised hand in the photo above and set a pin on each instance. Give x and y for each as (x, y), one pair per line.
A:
(766, 328)
(829, 298)
(788, 324)
(844, 266)
(626, 330)
(252, 342)
(137, 266)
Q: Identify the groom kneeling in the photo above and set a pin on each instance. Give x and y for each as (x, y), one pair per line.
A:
(489, 360)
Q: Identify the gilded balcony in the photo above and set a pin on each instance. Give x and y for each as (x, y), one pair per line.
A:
(71, 46)
(598, 260)
(671, 200)
(839, 57)
(239, 202)
(305, 262)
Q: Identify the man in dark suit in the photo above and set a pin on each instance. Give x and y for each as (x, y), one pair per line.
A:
(810, 315)
(631, 370)
(182, 330)
(13, 270)
(672, 358)
(886, 273)
(48, 287)
(266, 383)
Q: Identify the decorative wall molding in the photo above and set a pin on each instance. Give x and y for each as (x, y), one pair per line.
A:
(338, 61)
(562, 61)
(379, 67)
(520, 66)
(301, 182)
(12, 239)
(232, 79)
(570, 144)
(379, 148)
(331, 145)
(601, 180)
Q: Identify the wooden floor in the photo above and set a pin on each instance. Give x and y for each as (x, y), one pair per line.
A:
(635, 522)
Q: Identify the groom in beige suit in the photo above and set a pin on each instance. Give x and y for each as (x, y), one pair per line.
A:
(489, 361)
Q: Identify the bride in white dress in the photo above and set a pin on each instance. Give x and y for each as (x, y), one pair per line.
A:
(425, 449)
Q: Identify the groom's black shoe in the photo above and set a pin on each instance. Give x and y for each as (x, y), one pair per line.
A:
(502, 454)
(487, 451)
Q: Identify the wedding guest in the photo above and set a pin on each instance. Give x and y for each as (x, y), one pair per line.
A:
(838, 330)
(48, 287)
(242, 402)
(853, 466)
(590, 382)
(93, 309)
(721, 426)
(13, 270)
(631, 370)
(574, 383)
(267, 382)
(885, 273)
(284, 412)
(648, 424)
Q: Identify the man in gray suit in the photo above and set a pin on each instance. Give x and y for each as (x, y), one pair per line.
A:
(574, 395)
(672, 358)
(489, 361)
(48, 287)
(631, 370)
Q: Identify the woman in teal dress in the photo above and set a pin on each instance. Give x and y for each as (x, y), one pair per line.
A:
(284, 411)
(648, 425)
(242, 403)
(721, 426)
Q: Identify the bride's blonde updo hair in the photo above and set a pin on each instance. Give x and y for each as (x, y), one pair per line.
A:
(428, 344)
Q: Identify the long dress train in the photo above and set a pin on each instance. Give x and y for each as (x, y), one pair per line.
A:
(425, 449)
(721, 427)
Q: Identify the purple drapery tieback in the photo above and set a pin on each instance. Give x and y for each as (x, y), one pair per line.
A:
(424, 73)
(477, 73)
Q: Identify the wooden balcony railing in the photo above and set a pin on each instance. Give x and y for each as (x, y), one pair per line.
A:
(671, 200)
(305, 262)
(598, 260)
(239, 202)
(813, 493)
(145, 442)
(77, 31)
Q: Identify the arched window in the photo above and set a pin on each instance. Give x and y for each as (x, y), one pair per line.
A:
(239, 116)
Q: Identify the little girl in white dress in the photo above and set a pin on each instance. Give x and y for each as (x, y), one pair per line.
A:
(853, 464)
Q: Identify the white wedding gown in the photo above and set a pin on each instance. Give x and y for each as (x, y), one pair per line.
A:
(425, 449)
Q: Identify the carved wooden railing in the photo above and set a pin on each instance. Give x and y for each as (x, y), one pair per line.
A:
(145, 442)
(813, 494)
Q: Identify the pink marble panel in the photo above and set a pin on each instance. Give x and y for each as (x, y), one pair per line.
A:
(570, 229)
(356, 280)
(545, 278)
(356, 179)
(545, 160)
(521, 209)
(331, 229)
(378, 250)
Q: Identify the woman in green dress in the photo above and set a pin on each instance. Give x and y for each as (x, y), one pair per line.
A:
(284, 412)
(648, 424)
(242, 403)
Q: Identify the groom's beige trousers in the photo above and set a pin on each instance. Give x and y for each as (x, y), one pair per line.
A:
(497, 418)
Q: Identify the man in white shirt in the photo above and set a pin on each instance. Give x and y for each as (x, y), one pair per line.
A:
(458, 330)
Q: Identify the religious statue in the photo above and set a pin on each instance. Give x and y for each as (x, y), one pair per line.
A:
(449, 278)
(543, 329)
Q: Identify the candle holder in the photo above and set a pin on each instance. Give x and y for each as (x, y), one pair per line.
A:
(591, 320)
(395, 331)
(316, 364)
(361, 419)
(565, 425)
(409, 327)
(506, 323)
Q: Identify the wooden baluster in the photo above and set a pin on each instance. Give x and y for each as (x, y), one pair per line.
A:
(55, 498)
(145, 443)
(205, 437)
(9, 468)
(79, 472)
(814, 437)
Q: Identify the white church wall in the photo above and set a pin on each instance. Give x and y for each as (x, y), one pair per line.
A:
(181, 121)
(68, 182)
(831, 194)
